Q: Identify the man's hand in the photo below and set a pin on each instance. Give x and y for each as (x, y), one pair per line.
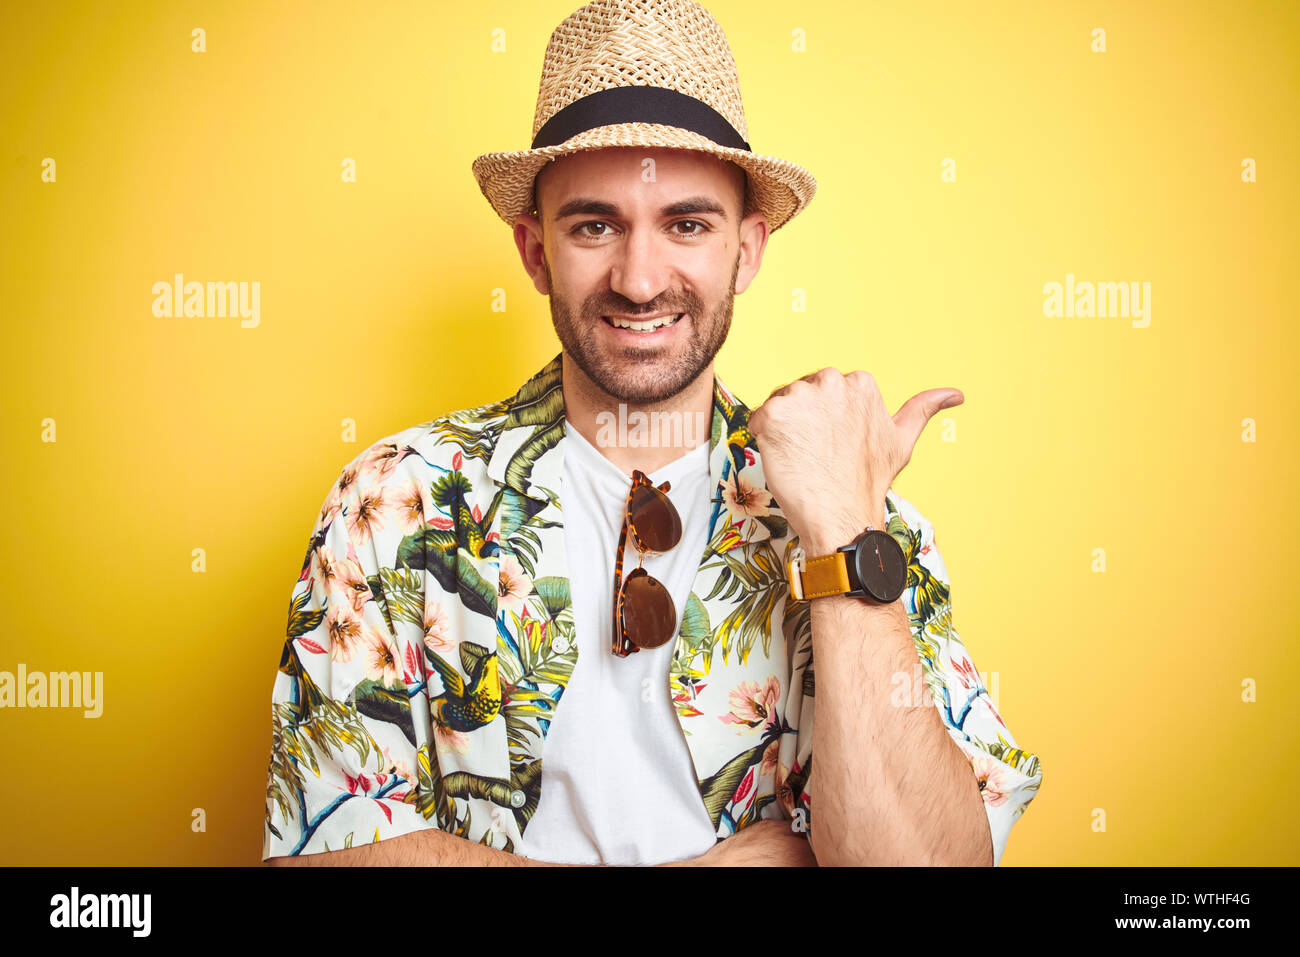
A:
(764, 843)
(831, 450)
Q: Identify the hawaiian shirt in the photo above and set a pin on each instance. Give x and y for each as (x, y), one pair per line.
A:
(430, 637)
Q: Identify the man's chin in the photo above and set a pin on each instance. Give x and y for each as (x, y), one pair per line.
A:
(641, 380)
(641, 392)
(640, 374)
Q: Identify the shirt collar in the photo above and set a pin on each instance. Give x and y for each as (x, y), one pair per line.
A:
(528, 455)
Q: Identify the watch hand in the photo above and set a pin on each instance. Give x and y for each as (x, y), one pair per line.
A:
(880, 558)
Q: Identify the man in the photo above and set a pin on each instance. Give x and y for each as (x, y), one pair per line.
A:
(474, 675)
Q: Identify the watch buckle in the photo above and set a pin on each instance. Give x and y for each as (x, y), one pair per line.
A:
(794, 573)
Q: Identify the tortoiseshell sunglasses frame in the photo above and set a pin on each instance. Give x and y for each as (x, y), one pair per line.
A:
(622, 646)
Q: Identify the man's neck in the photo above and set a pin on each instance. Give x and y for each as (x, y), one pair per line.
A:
(645, 436)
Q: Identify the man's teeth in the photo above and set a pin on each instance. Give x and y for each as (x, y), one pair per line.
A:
(646, 326)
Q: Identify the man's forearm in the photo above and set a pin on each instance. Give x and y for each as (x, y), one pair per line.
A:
(436, 848)
(426, 848)
(891, 785)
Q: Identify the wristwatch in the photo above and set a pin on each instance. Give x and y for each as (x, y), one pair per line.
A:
(871, 567)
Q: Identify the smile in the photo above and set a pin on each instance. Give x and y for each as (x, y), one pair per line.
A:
(647, 325)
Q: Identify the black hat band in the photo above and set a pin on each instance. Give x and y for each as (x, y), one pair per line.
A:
(638, 104)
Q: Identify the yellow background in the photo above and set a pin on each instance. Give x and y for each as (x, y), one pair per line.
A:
(1076, 434)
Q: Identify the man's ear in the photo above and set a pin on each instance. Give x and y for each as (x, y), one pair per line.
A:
(532, 252)
(753, 240)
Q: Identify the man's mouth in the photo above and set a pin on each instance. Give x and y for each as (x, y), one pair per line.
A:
(644, 325)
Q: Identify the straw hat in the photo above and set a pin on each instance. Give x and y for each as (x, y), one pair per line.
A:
(648, 73)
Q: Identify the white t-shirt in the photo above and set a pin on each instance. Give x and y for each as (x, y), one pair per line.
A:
(618, 784)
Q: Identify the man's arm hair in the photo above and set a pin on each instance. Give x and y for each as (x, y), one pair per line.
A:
(425, 848)
(768, 844)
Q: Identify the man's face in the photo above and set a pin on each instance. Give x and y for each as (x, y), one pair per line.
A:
(640, 236)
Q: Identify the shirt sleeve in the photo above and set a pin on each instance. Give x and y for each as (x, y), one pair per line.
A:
(1008, 775)
(345, 749)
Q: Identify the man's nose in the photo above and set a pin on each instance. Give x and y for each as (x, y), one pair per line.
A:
(640, 271)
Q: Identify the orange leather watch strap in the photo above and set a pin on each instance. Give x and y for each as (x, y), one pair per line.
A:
(826, 575)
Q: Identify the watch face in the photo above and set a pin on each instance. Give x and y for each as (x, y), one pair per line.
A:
(881, 565)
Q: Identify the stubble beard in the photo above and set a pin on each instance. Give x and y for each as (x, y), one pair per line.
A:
(638, 376)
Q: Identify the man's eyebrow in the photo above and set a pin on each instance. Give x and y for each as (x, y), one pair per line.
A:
(597, 207)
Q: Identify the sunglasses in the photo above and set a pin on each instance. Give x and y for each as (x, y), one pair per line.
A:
(644, 614)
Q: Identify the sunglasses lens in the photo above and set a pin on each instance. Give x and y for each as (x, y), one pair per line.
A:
(649, 618)
(655, 519)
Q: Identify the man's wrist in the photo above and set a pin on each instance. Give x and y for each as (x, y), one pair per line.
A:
(829, 535)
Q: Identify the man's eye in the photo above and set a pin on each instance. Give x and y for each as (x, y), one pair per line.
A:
(692, 222)
(580, 229)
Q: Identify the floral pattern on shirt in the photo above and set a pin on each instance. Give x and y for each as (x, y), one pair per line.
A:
(430, 637)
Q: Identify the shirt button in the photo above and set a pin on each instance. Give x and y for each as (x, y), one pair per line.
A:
(559, 644)
(518, 799)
